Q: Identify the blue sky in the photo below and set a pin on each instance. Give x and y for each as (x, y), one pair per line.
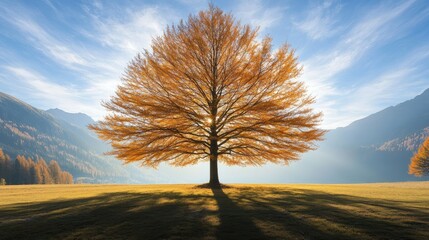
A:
(359, 57)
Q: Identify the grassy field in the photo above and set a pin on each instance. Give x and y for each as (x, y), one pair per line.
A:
(358, 211)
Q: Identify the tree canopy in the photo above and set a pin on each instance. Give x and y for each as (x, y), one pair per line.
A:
(210, 89)
(419, 165)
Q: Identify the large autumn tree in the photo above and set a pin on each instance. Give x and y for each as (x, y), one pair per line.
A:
(210, 90)
(419, 165)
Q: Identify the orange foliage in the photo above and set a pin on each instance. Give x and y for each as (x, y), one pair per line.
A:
(207, 89)
(3, 156)
(419, 165)
(26, 171)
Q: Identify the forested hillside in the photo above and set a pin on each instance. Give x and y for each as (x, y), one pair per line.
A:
(30, 132)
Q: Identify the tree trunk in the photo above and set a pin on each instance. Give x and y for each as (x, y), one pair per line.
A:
(214, 177)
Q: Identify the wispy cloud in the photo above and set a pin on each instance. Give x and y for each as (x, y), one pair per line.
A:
(257, 14)
(46, 43)
(389, 86)
(321, 21)
(320, 70)
(398, 83)
(99, 68)
(50, 94)
(371, 97)
(133, 33)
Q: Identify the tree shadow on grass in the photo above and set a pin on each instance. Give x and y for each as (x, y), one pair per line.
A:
(242, 213)
(235, 222)
(308, 214)
(164, 215)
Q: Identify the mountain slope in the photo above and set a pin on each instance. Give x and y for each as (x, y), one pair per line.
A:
(80, 122)
(28, 131)
(399, 121)
(372, 149)
(78, 119)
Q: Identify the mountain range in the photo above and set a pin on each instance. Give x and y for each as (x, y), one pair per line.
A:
(64, 137)
(373, 149)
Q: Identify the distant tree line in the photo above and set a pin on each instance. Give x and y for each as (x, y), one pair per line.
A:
(26, 171)
(80, 160)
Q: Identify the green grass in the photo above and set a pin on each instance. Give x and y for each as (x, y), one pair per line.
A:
(358, 211)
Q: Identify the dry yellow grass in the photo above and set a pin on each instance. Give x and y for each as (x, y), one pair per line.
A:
(299, 211)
